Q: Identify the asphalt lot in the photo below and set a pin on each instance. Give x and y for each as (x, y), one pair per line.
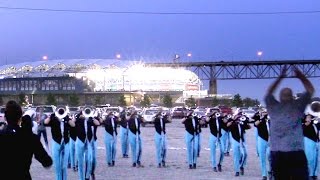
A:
(177, 167)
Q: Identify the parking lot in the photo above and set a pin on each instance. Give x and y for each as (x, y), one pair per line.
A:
(177, 167)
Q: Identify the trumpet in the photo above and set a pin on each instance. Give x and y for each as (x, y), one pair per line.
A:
(139, 113)
(194, 114)
(217, 114)
(315, 120)
(163, 113)
(61, 112)
(88, 112)
(313, 109)
(229, 116)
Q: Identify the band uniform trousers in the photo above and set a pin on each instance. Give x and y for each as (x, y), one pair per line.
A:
(161, 147)
(311, 149)
(213, 143)
(256, 135)
(199, 144)
(192, 148)
(124, 140)
(239, 154)
(136, 147)
(60, 155)
(72, 157)
(82, 152)
(94, 156)
(111, 147)
(226, 140)
(89, 158)
(264, 155)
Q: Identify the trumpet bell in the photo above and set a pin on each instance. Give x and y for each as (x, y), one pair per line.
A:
(194, 114)
(229, 116)
(243, 118)
(217, 114)
(61, 112)
(163, 113)
(313, 109)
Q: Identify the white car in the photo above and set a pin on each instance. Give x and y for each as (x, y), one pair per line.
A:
(47, 109)
(248, 113)
(148, 115)
(2, 109)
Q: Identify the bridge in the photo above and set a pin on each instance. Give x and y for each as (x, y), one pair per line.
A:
(224, 70)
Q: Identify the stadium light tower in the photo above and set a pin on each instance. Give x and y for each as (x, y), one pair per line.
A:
(189, 55)
(118, 56)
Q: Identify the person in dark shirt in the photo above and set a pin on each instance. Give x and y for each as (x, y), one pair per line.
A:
(190, 123)
(60, 132)
(85, 142)
(18, 145)
(110, 125)
(135, 139)
(160, 138)
(311, 129)
(124, 131)
(237, 128)
(262, 125)
(255, 118)
(215, 121)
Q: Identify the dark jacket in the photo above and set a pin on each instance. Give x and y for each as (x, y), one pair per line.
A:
(18, 146)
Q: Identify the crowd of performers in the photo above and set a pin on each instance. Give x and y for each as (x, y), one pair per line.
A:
(74, 140)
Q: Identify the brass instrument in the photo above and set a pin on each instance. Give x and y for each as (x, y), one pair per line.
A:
(313, 109)
(61, 112)
(88, 112)
(217, 114)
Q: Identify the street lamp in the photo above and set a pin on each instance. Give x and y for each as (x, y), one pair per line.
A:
(259, 54)
(118, 56)
(44, 58)
(189, 54)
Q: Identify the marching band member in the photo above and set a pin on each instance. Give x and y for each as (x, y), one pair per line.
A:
(191, 122)
(110, 125)
(256, 117)
(84, 142)
(225, 131)
(237, 129)
(60, 127)
(134, 124)
(73, 157)
(198, 128)
(262, 125)
(94, 152)
(311, 142)
(41, 127)
(160, 138)
(124, 131)
(215, 123)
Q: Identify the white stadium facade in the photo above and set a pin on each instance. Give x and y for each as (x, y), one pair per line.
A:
(95, 76)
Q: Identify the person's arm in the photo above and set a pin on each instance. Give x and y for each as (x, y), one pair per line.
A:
(275, 84)
(70, 121)
(40, 153)
(96, 122)
(49, 119)
(306, 83)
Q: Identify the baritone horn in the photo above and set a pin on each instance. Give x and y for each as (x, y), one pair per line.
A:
(61, 112)
(88, 112)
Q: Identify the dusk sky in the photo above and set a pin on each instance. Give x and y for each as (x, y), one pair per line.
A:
(28, 35)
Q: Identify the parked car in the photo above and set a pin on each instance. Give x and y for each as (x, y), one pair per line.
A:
(74, 110)
(148, 116)
(179, 112)
(249, 113)
(2, 109)
(225, 109)
(47, 109)
(211, 110)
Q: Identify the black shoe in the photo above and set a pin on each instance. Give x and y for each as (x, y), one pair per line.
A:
(123, 156)
(190, 166)
(159, 165)
(215, 169)
(314, 177)
(194, 166)
(93, 177)
(126, 156)
(134, 165)
(264, 178)
(69, 166)
(87, 179)
(109, 164)
(270, 175)
(237, 174)
(163, 164)
(75, 169)
(242, 171)
(219, 168)
(226, 154)
(198, 155)
(113, 163)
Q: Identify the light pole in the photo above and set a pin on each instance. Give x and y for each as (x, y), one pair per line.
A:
(44, 58)
(118, 56)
